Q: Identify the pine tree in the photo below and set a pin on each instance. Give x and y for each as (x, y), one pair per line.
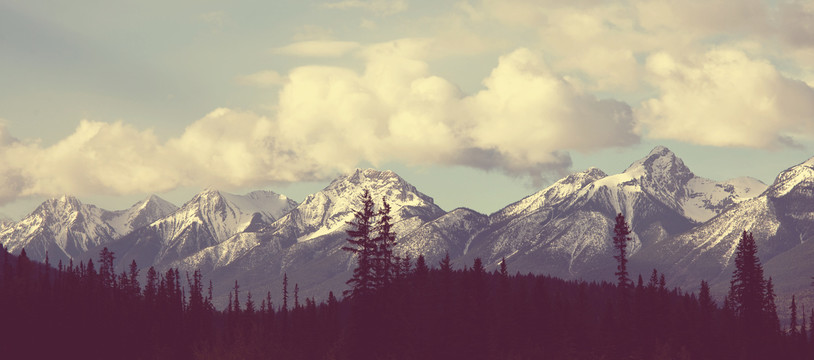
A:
(406, 265)
(363, 280)
(285, 292)
(249, 304)
(620, 239)
(421, 269)
(135, 287)
(747, 287)
(653, 283)
(705, 299)
(804, 327)
(477, 267)
(793, 317)
(106, 270)
(296, 296)
(151, 287)
(237, 298)
(446, 264)
(384, 264)
(769, 307)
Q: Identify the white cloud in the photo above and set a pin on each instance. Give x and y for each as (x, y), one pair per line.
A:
(725, 98)
(266, 78)
(331, 119)
(378, 7)
(395, 111)
(317, 48)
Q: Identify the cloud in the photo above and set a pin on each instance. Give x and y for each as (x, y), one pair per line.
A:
(522, 123)
(317, 48)
(266, 78)
(329, 120)
(725, 98)
(378, 7)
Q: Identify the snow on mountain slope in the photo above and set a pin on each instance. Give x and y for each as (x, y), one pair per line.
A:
(66, 228)
(781, 220)
(307, 242)
(566, 228)
(706, 198)
(208, 219)
(449, 233)
(551, 196)
(329, 210)
(142, 213)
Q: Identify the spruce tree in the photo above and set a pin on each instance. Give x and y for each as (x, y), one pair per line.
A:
(621, 236)
(793, 317)
(363, 280)
(705, 299)
(445, 264)
(804, 327)
(421, 269)
(285, 292)
(769, 308)
(385, 265)
(106, 271)
(747, 287)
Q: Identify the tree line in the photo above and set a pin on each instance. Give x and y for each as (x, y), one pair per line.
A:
(403, 309)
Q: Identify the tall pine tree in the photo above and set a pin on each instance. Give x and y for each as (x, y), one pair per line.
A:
(621, 236)
(385, 264)
(360, 237)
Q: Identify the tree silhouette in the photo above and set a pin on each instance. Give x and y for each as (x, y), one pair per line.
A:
(747, 287)
(621, 233)
(385, 265)
(363, 280)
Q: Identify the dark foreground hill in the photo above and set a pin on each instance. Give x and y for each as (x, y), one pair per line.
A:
(426, 313)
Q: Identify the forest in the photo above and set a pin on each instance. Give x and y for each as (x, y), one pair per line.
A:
(396, 308)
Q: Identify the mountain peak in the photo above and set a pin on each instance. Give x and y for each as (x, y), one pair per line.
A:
(360, 176)
(790, 178)
(662, 163)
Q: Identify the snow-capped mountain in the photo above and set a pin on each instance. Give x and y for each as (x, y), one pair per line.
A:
(566, 229)
(781, 220)
(141, 214)
(65, 228)
(208, 219)
(307, 242)
(684, 225)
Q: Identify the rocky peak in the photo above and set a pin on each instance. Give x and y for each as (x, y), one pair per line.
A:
(660, 164)
(800, 176)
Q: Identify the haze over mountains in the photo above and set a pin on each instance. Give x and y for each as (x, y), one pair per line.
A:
(683, 225)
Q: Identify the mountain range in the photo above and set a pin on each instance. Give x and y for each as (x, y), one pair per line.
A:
(684, 225)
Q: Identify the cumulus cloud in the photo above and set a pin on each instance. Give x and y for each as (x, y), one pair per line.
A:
(725, 98)
(378, 7)
(331, 119)
(318, 48)
(395, 111)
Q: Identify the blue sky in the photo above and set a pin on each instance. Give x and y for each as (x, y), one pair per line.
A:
(477, 103)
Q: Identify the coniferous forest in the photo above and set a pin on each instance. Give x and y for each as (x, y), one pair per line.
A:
(396, 309)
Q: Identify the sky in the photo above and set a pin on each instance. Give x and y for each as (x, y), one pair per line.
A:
(477, 103)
